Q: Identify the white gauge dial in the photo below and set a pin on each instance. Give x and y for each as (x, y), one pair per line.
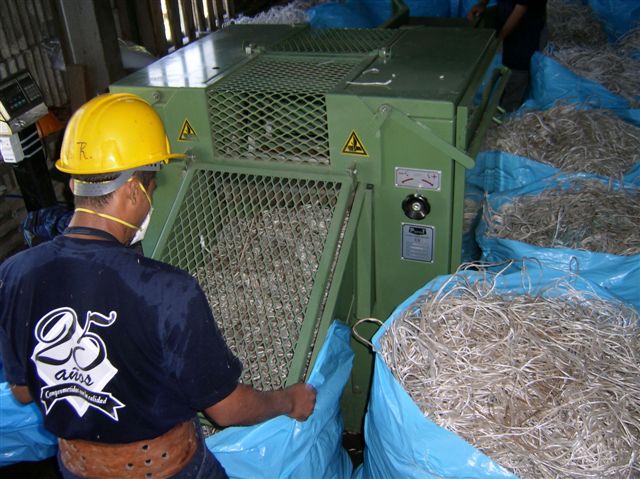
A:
(414, 178)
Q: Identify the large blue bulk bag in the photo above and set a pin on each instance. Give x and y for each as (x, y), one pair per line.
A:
(400, 441)
(617, 16)
(22, 433)
(551, 81)
(285, 448)
(619, 275)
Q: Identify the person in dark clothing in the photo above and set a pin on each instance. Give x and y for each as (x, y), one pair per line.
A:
(119, 351)
(521, 27)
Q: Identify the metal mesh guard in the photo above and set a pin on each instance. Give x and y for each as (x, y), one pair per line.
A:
(254, 244)
(347, 40)
(274, 109)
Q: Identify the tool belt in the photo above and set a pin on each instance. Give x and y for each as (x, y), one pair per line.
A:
(156, 458)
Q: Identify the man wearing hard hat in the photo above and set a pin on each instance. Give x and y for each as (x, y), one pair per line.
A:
(120, 351)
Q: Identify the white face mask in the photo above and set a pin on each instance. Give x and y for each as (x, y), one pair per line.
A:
(142, 229)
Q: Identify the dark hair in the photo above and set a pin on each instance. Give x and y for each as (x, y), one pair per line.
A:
(145, 177)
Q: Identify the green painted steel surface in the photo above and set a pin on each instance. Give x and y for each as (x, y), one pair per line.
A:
(283, 123)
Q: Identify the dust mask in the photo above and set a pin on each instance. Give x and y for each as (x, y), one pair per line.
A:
(142, 229)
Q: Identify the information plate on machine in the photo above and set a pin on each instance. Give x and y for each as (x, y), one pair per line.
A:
(416, 178)
(417, 242)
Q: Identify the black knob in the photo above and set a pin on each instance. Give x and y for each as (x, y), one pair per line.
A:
(416, 206)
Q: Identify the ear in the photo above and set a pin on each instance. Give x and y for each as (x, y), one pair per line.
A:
(132, 191)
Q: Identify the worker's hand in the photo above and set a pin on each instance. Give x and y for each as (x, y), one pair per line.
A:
(303, 400)
(476, 10)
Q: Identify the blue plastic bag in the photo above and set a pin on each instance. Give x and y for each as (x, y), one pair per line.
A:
(551, 81)
(45, 224)
(400, 441)
(285, 448)
(619, 275)
(617, 16)
(347, 15)
(370, 13)
(470, 250)
(429, 8)
(497, 171)
(22, 433)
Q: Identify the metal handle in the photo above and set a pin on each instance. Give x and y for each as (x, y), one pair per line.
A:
(356, 335)
(490, 98)
(399, 15)
(427, 134)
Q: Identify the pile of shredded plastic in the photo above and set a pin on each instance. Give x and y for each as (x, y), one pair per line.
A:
(293, 12)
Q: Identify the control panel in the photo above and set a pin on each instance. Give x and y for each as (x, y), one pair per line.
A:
(21, 103)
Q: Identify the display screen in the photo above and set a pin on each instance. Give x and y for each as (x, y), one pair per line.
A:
(18, 94)
(12, 97)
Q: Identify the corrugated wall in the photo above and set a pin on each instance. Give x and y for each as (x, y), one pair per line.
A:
(26, 27)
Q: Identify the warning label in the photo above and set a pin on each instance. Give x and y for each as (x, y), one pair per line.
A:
(354, 146)
(187, 133)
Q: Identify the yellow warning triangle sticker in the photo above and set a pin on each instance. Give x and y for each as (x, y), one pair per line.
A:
(187, 133)
(354, 146)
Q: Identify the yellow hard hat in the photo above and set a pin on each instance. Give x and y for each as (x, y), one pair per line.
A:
(113, 132)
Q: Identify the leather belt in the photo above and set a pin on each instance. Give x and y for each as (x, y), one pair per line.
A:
(156, 458)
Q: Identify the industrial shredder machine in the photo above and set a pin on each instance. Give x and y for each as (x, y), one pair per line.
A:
(325, 177)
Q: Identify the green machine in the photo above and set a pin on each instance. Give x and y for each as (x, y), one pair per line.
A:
(325, 178)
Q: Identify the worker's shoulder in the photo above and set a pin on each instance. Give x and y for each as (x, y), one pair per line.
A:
(22, 259)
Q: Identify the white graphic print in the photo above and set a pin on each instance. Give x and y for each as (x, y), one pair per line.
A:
(73, 362)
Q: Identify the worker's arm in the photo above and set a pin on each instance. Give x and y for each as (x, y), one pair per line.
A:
(246, 406)
(478, 9)
(513, 21)
(21, 393)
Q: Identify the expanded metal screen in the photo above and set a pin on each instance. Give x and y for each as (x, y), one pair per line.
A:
(254, 243)
(347, 40)
(274, 108)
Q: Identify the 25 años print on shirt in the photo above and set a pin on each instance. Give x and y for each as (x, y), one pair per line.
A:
(73, 361)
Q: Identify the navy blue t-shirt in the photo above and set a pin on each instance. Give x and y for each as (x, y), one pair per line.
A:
(519, 47)
(113, 346)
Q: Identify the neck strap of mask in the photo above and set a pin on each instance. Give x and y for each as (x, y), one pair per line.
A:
(107, 217)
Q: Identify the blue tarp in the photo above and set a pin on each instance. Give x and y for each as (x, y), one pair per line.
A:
(400, 441)
(619, 275)
(284, 448)
(22, 433)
